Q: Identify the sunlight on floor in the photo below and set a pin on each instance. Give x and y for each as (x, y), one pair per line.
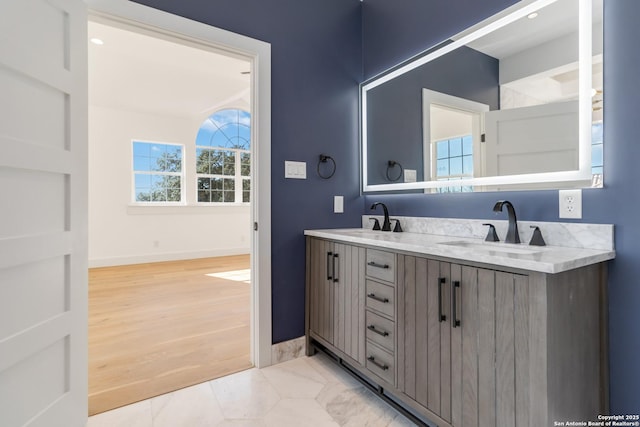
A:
(236, 275)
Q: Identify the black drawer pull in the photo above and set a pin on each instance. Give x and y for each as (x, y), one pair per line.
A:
(377, 298)
(441, 316)
(454, 309)
(375, 264)
(329, 258)
(382, 366)
(372, 328)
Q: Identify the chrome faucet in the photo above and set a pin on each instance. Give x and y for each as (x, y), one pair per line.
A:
(386, 225)
(512, 232)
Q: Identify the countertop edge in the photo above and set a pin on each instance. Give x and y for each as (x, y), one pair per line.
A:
(573, 257)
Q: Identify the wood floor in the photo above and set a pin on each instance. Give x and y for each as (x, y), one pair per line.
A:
(155, 328)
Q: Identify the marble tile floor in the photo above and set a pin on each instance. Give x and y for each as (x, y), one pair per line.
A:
(307, 391)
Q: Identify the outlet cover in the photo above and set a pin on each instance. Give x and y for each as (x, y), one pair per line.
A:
(570, 204)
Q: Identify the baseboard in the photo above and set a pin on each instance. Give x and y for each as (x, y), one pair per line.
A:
(287, 350)
(175, 256)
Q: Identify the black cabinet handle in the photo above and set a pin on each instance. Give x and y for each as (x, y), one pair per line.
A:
(375, 264)
(382, 366)
(441, 317)
(335, 261)
(372, 328)
(377, 298)
(454, 304)
(329, 258)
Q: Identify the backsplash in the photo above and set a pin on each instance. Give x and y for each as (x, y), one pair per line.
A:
(568, 235)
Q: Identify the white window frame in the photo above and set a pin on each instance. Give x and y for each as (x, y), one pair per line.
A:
(237, 177)
(180, 174)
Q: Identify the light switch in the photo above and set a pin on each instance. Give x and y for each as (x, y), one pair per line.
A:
(338, 204)
(295, 170)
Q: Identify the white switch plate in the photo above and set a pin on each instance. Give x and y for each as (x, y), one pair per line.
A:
(410, 175)
(570, 203)
(338, 204)
(295, 170)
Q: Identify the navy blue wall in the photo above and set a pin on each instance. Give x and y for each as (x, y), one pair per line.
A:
(392, 31)
(394, 113)
(316, 68)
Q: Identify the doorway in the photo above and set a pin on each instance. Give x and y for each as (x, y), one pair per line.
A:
(161, 119)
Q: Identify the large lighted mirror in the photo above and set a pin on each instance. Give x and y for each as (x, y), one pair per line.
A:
(514, 102)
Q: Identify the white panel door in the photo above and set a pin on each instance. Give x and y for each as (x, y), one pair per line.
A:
(43, 229)
(542, 138)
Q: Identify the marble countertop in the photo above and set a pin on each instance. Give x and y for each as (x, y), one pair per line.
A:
(545, 259)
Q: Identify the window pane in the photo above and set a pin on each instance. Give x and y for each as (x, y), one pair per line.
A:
(204, 196)
(216, 196)
(219, 139)
(443, 167)
(229, 163)
(229, 196)
(246, 190)
(245, 162)
(173, 194)
(158, 195)
(229, 185)
(216, 183)
(244, 135)
(596, 133)
(141, 163)
(467, 165)
(442, 149)
(204, 184)
(455, 147)
(202, 160)
(215, 162)
(455, 166)
(596, 155)
(467, 145)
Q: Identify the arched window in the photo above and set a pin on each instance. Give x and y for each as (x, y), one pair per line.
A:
(223, 157)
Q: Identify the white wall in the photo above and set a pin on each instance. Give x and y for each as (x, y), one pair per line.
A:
(123, 234)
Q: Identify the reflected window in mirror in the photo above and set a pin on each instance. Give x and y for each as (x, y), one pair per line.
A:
(597, 156)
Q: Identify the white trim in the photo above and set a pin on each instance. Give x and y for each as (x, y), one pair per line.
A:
(259, 54)
(172, 256)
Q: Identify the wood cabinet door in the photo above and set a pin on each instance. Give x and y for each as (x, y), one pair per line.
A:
(426, 333)
(349, 300)
(489, 348)
(321, 288)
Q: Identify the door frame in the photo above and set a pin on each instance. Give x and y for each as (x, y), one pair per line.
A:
(259, 54)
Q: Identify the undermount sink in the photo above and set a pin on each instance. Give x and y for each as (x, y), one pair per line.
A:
(494, 247)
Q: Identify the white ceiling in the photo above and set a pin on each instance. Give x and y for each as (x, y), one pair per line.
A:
(137, 72)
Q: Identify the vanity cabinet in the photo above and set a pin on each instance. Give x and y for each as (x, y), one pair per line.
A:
(335, 274)
(461, 343)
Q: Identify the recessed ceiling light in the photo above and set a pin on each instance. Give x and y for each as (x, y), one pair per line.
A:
(97, 41)
(532, 15)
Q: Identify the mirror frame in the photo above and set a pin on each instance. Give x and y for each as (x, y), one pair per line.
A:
(581, 177)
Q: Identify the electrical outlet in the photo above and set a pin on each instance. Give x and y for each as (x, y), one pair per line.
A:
(570, 203)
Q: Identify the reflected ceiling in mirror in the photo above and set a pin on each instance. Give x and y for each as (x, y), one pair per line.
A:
(506, 104)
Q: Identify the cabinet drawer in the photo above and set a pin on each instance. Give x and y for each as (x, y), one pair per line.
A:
(381, 363)
(381, 331)
(381, 265)
(381, 297)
